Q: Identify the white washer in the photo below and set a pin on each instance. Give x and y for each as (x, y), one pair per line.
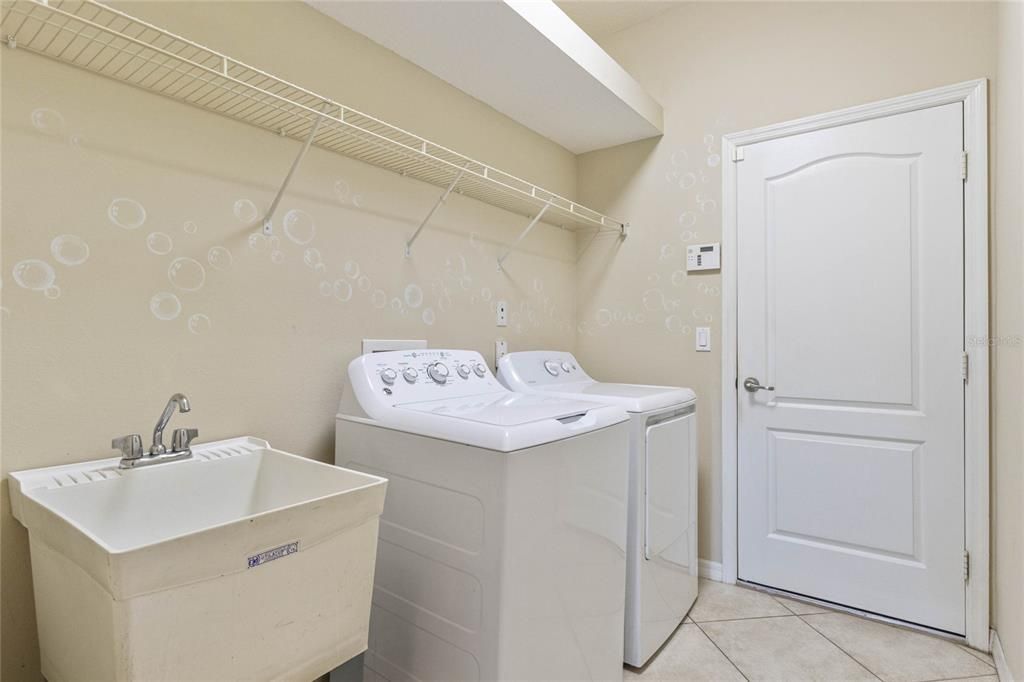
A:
(661, 564)
(502, 542)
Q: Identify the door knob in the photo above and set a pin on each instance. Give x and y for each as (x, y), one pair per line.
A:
(753, 385)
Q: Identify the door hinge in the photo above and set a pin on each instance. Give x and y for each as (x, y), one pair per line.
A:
(967, 565)
(963, 165)
(965, 367)
(737, 154)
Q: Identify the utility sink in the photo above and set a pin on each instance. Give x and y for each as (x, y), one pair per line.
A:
(243, 562)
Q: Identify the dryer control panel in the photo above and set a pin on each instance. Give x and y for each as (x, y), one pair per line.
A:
(542, 368)
(408, 376)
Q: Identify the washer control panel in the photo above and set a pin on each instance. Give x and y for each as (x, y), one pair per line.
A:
(405, 376)
(540, 368)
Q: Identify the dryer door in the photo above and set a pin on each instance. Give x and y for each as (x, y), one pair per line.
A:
(670, 492)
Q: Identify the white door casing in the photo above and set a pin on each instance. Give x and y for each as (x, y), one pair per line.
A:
(849, 267)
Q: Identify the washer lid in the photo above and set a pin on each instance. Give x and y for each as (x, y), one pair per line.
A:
(503, 409)
(557, 373)
(631, 397)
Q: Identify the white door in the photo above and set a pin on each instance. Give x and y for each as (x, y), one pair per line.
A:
(850, 304)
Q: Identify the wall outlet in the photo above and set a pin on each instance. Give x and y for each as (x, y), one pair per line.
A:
(500, 351)
(501, 313)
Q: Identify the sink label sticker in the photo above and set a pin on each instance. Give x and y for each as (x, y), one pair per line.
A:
(271, 554)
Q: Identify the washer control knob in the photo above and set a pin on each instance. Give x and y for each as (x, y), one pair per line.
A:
(552, 367)
(479, 369)
(566, 367)
(410, 374)
(438, 372)
(463, 370)
(388, 375)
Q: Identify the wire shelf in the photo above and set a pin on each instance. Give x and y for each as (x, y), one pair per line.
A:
(105, 41)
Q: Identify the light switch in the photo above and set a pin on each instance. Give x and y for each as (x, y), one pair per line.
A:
(703, 339)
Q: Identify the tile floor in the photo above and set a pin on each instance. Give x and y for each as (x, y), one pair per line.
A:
(735, 633)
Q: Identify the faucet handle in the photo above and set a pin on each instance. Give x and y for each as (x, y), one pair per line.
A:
(130, 446)
(182, 438)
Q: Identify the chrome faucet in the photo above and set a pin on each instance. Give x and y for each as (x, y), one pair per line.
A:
(130, 446)
(177, 400)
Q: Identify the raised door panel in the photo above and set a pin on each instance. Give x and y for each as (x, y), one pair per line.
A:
(841, 279)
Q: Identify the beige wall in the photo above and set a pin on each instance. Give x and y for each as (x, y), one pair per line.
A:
(1007, 330)
(719, 68)
(92, 361)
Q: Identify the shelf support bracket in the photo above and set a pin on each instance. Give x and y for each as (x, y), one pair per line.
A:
(522, 235)
(268, 224)
(437, 205)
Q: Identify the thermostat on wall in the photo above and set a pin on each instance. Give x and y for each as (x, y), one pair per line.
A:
(703, 257)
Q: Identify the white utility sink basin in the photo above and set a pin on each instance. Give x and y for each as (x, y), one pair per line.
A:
(243, 562)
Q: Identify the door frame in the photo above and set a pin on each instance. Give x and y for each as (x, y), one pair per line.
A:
(974, 96)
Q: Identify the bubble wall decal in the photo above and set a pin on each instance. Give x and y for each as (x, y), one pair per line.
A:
(220, 258)
(48, 121)
(199, 323)
(245, 211)
(687, 219)
(654, 300)
(34, 274)
(126, 213)
(186, 274)
(312, 258)
(165, 306)
(299, 226)
(69, 249)
(413, 296)
(257, 242)
(342, 290)
(159, 243)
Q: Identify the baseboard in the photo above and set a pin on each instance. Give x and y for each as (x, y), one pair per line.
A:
(1002, 669)
(710, 570)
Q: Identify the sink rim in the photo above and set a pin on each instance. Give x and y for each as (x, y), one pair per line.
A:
(29, 483)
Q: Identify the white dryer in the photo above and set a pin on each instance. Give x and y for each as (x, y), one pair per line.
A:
(502, 542)
(661, 564)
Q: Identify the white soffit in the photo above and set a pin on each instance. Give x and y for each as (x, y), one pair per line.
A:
(525, 58)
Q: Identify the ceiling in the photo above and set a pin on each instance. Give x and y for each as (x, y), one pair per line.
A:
(600, 18)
